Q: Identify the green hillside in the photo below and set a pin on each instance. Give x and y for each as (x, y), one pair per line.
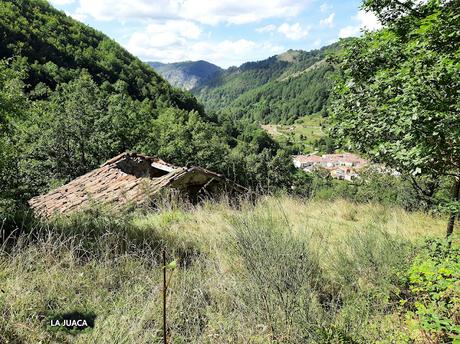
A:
(54, 48)
(279, 89)
(72, 98)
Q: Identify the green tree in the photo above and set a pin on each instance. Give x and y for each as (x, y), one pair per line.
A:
(128, 120)
(184, 138)
(12, 105)
(398, 97)
(67, 135)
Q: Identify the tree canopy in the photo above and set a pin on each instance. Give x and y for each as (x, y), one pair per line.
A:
(398, 96)
(54, 48)
(279, 89)
(71, 98)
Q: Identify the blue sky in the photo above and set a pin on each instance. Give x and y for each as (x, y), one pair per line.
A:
(224, 32)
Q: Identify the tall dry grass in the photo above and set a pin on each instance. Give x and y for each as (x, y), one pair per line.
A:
(282, 270)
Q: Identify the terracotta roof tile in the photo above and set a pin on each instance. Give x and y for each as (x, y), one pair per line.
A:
(110, 184)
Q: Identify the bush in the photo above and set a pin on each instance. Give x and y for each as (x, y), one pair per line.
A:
(380, 188)
(281, 274)
(433, 301)
(278, 270)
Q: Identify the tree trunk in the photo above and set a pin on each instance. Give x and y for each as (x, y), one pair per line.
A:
(453, 214)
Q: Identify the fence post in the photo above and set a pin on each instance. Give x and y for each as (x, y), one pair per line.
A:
(165, 331)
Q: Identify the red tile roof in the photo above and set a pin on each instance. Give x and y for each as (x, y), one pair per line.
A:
(307, 158)
(128, 178)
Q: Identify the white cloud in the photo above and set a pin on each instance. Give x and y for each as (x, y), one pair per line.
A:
(163, 35)
(329, 21)
(179, 40)
(122, 10)
(183, 28)
(325, 7)
(77, 16)
(291, 31)
(266, 28)
(294, 31)
(224, 53)
(366, 21)
(61, 2)
(206, 12)
(317, 42)
(349, 31)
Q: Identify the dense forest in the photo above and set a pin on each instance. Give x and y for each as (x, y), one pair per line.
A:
(74, 98)
(54, 49)
(279, 89)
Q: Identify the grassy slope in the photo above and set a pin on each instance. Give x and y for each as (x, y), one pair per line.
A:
(342, 262)
(304, 132)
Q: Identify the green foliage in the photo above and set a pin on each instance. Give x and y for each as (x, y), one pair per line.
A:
(72, 98)
(261, 163)
(75, 129)
(13, 103)
(280, 270)
(286, 100)
(279, 89)
(54, 48)
(433, 298)
(397, 99)
(373, 187)
(187, 139)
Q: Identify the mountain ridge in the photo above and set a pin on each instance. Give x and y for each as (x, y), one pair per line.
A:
(55, 49)
(279, 89)
(187, 74)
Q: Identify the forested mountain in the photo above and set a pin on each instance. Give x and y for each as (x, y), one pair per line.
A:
(187, 75)
(279, 89)
(301, 257)
(71, 98)
(54, 48)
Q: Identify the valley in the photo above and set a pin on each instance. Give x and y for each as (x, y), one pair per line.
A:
(280, 89)
(308, 195)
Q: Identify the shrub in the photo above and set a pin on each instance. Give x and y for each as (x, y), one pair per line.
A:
(433, 300)
(281, 274)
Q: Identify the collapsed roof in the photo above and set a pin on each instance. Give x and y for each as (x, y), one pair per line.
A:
(130, 179)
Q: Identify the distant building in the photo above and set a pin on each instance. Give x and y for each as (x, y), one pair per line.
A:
(341, 166)
(306, 161)
(344, 173)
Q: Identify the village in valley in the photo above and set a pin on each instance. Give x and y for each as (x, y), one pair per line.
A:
(228, 172)
(342, 166)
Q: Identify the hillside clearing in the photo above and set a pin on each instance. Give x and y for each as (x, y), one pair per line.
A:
(305, 132)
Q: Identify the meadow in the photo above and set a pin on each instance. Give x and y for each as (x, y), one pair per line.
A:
(279, 270)
(304, 133)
